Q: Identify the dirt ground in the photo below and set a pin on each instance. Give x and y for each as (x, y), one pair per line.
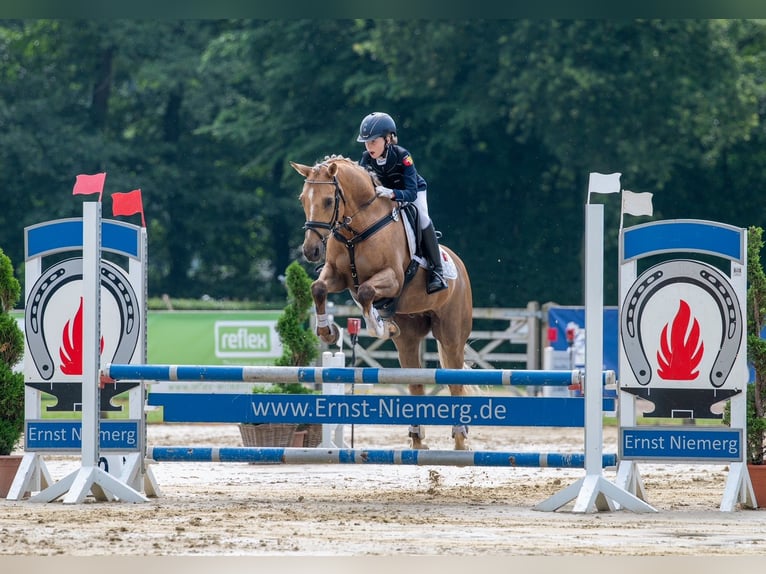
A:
(239, 509)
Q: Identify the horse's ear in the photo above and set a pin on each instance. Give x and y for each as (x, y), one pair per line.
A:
(332, 169)
(304, 170)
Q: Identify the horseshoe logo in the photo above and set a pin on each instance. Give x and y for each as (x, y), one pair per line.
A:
(56, 277)
(701, 275)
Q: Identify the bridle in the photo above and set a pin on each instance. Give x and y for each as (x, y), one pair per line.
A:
(334, 226)
(330, 225)
(335, 223)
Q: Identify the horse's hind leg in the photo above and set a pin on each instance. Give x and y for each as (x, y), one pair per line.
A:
(412, 331)
(459, 432)
(417, 432)
(452, 356)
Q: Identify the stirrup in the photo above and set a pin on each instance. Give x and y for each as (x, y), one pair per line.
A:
(436, 283)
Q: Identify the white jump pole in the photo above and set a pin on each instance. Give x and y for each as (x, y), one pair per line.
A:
(593, 492)
(332, 434)
(90, 478)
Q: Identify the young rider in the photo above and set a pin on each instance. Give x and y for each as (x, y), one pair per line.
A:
(400, 181)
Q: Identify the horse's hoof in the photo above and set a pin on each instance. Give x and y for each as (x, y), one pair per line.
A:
(417, 433)
(418, 445)
(393, 329)
(460, 435)
(334, 334)
(329, 334)
(461, 442)
(376, 329)
(462, 447)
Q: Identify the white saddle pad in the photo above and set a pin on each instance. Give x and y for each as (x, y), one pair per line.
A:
(448, 265)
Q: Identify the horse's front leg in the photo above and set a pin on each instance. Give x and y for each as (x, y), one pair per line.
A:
(327, 282)
(381, 285)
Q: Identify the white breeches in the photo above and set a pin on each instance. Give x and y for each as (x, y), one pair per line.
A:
(421, 202)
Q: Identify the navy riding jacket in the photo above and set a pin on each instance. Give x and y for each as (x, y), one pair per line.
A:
(398, 173)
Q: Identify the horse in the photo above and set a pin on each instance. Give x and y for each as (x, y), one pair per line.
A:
(363, 239)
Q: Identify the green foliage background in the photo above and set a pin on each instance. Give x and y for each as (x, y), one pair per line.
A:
(756, 346)
(11, 351)
(505, 120)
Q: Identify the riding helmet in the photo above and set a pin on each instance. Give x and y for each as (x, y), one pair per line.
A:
(376, 125)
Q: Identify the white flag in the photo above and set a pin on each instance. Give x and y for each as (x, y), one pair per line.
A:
(604, 183)
(637, 203)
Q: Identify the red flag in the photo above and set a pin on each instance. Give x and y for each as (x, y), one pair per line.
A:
(87, 184)
(128, 204)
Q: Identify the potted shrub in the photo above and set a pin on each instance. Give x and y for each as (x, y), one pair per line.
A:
(756, 348)
(755, 409)
(300, 347)
(11, 383)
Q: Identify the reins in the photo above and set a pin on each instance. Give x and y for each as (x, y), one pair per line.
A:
(351, 242)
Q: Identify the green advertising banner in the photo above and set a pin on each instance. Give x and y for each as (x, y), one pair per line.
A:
(213, 338)
(209, 337)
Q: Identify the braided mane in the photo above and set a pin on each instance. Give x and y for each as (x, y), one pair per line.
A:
(328, 159)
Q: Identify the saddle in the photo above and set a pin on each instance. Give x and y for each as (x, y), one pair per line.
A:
(387, 307)
(412, 226)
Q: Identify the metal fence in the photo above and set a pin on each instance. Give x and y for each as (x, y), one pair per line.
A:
(502, 338)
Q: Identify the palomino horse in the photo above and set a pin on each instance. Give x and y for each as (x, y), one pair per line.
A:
(366, 251)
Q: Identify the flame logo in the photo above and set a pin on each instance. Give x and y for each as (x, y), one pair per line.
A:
(71, 349)
(679, 354)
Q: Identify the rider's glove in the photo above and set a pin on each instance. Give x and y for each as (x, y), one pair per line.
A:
(384, 192)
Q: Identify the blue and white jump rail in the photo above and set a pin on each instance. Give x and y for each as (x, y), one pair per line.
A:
(335, 407)
(359, 375)
(407, 457)
(362, 409)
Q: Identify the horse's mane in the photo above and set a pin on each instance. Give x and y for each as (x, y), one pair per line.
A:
(334, 159)
(339, 159)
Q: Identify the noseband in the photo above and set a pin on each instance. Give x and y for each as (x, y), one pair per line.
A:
(330, 225)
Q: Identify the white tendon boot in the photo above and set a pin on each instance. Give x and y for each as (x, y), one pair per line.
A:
(375, 325)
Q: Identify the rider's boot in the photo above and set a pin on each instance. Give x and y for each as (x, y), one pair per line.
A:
(430, 246)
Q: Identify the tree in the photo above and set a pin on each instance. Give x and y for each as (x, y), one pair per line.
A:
(515, 125)
(11, 351)
(301, 345)
(505, 119)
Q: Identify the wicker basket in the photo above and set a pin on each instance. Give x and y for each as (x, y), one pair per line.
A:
(281, 435)
(313, 435)
(276, 434)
